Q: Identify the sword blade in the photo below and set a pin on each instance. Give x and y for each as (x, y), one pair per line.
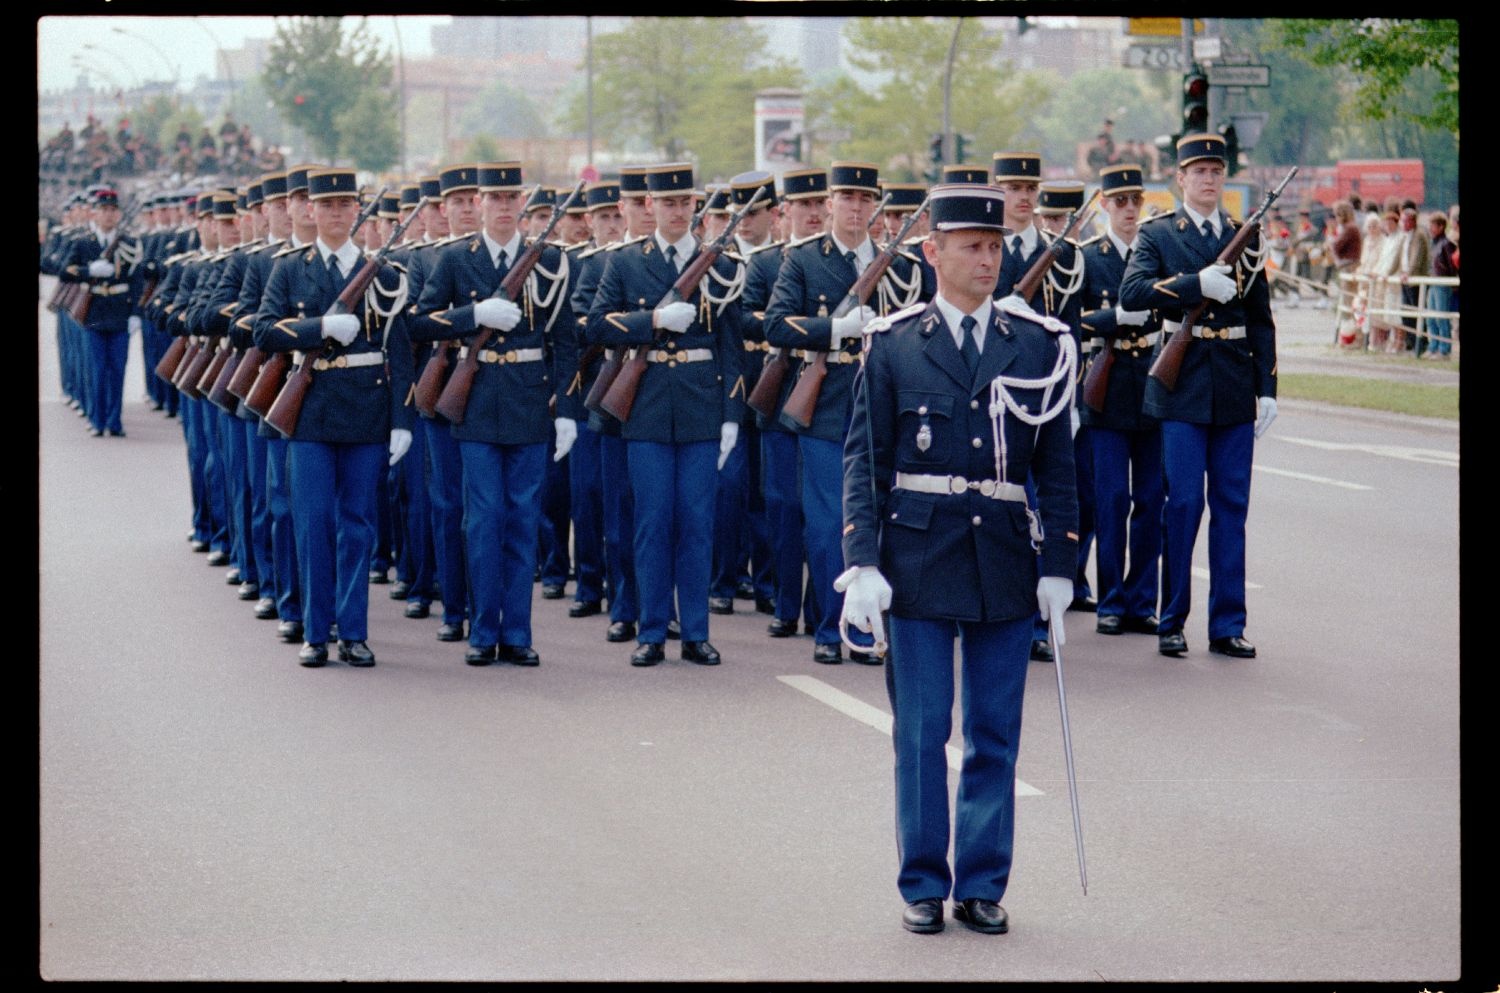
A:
(1067, 736)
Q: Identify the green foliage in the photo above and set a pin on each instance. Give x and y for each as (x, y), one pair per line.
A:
(482, 148)
(317, 75)
(159, 117)
(892, 121)
(1384, 54)
(369, 133)
(501, 111)
(1079, 105)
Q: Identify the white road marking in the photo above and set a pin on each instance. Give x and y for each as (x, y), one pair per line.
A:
(1309, 477)
(1427, 456)
(851, 706)
(1202, 573)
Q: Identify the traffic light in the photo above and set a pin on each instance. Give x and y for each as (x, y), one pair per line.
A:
(935, 149)
(1194, 101)
(960, 144)
(1231, 148)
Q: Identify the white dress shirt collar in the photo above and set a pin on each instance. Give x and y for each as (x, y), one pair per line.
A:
(1198, 220)
(348, 255)
(512, 248)
(955, 318)
(685, 246)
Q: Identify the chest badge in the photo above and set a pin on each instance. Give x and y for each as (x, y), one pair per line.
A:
(924, 438)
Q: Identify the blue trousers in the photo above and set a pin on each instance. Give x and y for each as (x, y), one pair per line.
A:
(755, 556)
(152, 348)
(586, 497)
(202, 522)
(502, 486)
(107, 352)
(823, 510)
(1440, 328)
(334, 489)
(1191, 452)
(619, 529)
(783, 498)
(674, 511)
(552, 530)
(418, 562)
(731, 525)
(1127, 513)
(919, 679)
(1083, 461)
(288, 588)
(259, 531)
(211, 461)
(236, 490)
(445, 491)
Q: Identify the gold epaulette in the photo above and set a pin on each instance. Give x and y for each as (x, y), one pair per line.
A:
(797, 242)
(287, 249)
(1157, 217)
(593, 251)
(766, 247)
(615, 246)
(1095, 238)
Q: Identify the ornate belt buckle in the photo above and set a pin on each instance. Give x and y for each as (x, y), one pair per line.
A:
(987, 487)
(957, 484)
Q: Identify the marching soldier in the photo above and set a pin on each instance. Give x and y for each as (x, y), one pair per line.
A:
(813, 280)
(1126, 442)
(503, 439)
(355, 412)
(938, 530)
(1225, 396)
(685, 419)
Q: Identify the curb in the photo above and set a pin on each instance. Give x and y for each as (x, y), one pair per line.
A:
(1384, 417)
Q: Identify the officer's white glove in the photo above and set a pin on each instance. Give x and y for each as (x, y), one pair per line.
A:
(1135, 317)
(866, 594)
(567, 433)
(99, 268)
(675, 317)
(342, 328)
(1264, 415)
(498, 313)
(400, 443)
(1215, 283)
(1053, 594)
(1077, 421)
(729, 433)
(133, 324)
(851, 325)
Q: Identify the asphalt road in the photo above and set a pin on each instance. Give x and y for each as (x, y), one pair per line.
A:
(210, 810)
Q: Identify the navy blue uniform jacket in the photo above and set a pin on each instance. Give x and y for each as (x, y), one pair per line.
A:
(1125, 396)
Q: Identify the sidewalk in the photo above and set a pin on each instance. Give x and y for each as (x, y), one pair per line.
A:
(1304, 343)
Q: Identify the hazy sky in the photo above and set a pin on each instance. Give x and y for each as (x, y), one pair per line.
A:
(139, 49)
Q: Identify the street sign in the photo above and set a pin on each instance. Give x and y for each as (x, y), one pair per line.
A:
(1159, 27)
(1207, 49)
(1223, 75)
(1154, 57)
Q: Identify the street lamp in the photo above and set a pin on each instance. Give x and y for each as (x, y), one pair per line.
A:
(223, 58)
(173, 72)
(90, 46)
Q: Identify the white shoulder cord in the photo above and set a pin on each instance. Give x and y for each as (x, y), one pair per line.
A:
(1074, 275)
(732, 287)
(557, 280)
(397, 297)
(1002, 401)
(1253, 260)
(897, 294)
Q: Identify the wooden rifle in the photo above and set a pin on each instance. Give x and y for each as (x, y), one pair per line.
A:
(78, 304)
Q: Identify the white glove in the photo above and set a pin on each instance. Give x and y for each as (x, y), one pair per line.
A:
(567, 433)
(498, 313)
(400, 442)
(729, 433)
(99, 268)
(133, 324)
(1053, 594)
(851, 325)
(342, 328)
(675, 317)
(1265, 414)
(1135, 317)
(1077, 421)
(866, 594)
(1215, 283)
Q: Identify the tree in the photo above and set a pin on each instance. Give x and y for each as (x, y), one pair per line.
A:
(317, 75)
(369, 133)
(1078, 106)
(1385, 55)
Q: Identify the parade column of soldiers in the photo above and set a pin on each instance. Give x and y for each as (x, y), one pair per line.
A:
(692, 501)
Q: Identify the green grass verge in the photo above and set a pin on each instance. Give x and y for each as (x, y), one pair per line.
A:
(1421, 399)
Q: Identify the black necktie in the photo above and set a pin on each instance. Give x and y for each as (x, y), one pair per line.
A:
(672, 257)
(1015, 245)
(1208, 233)
(853, 261)
(970, 347)
(503, 266)
(1128, 252)
(333, 267)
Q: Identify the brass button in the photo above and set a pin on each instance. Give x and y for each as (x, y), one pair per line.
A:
(672, 364)
(973, 404)
(978, 443)
(976, 520)
(922, 410)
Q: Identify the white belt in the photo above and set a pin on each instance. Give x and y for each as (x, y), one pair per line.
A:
(685, 355)
(110, 291)
(513, 355)
(994, 489)
(349, 361)
(1138, 341)
(837, 358)
(1229, 333)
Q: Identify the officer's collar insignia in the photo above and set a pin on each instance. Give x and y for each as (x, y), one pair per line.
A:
(1182, 224)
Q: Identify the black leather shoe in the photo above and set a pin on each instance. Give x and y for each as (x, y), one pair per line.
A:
(720, 605)
(620, 631)
(233, 577)
(417, 610)
(1173, 643)
(764, 605)
(519, 655)
(745, 590)
(648, 653)
(1041, 652)
(289, 631)
(265, 609)
(1235, 647)
(781, 629)
(356, 653)
(1140, 625)
(864, 658)
(117, 432)
(379, 577)
(700, 652)
(1085, 604)
(200, 546)
(586, 608)
(552, 591)
(828, 654)
(1109, 624)
(923, 916)
(451, 632)
(400, 589)
(984, 916)
(674, 631)
(249, 591)
(218, 558)
(312, 655)
(95, 433)
(481, 656)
